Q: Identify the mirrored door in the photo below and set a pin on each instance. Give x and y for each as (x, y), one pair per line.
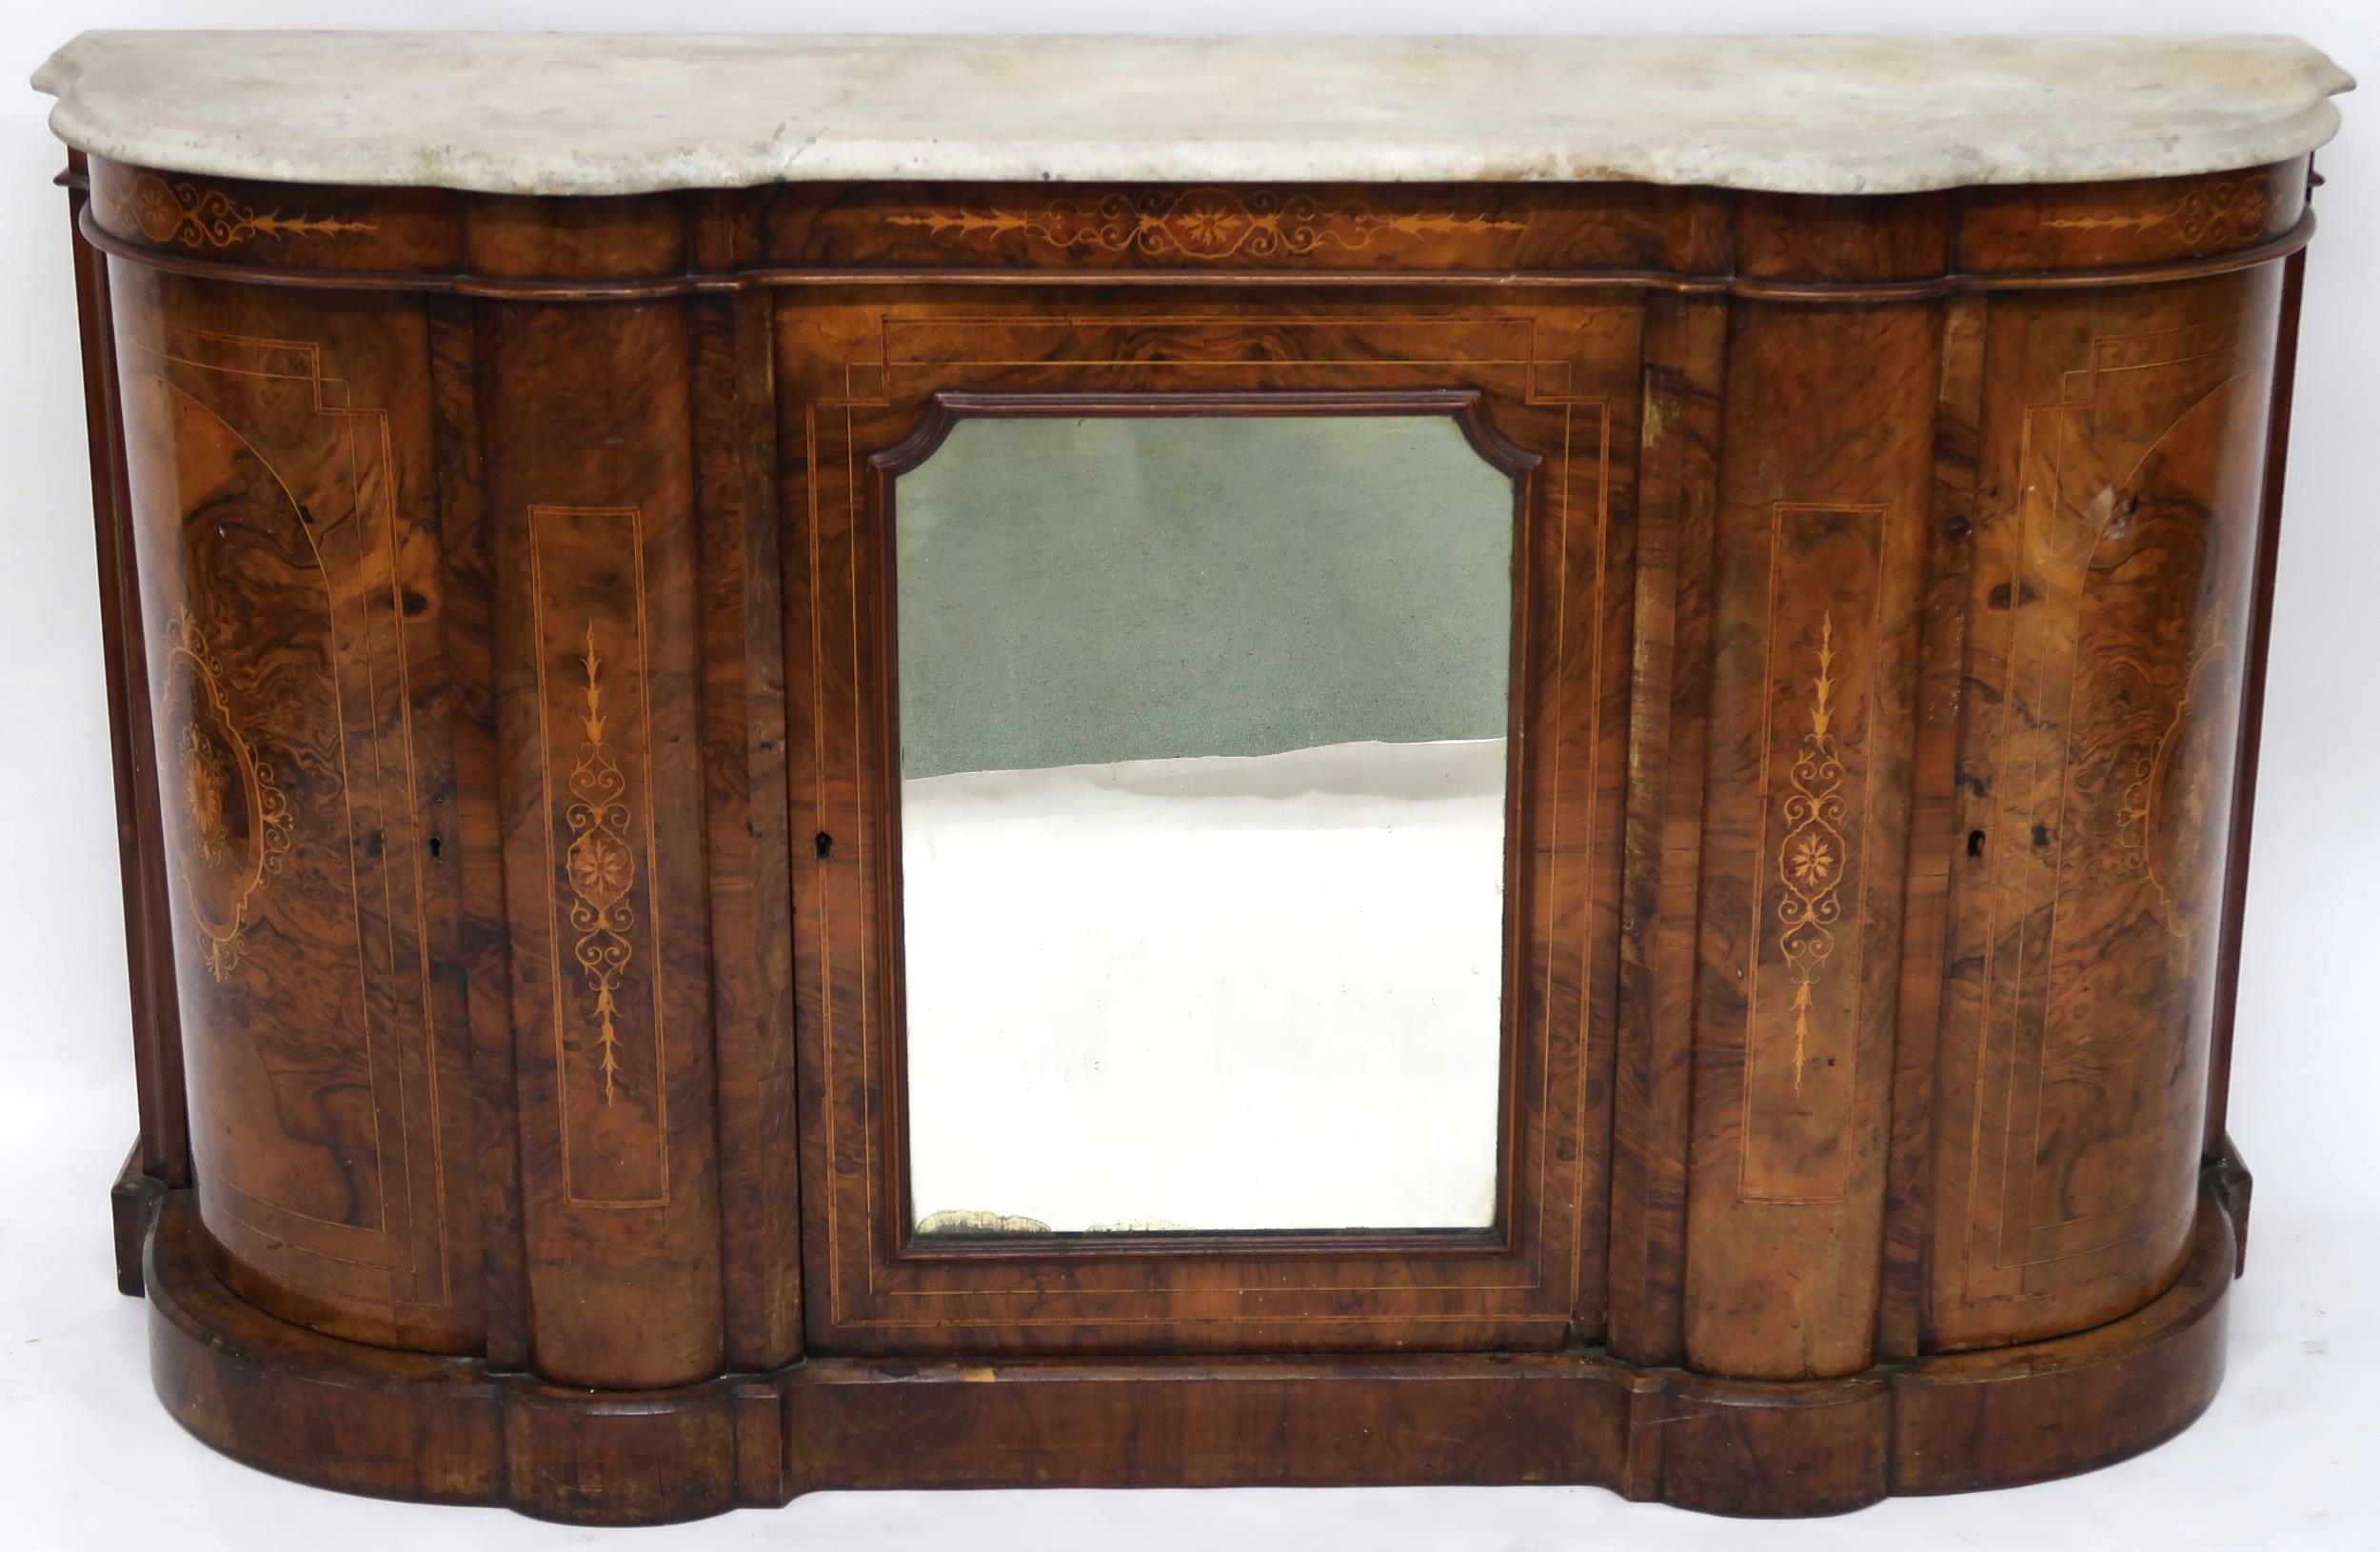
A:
(1208, 719)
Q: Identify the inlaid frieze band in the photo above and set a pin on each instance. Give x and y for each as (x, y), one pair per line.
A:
(1211, 222)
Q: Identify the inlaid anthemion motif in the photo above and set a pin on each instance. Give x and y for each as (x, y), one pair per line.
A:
(602, 870)
(199, 217)
(1811, 859)
(1202, 224)
(236, 815)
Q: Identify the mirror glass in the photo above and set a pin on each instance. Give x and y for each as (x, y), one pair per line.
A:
(1203, 757)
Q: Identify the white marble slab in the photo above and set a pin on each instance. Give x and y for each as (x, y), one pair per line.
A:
(592, 113)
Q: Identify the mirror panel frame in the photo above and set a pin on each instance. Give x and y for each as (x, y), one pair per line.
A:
(883, 380)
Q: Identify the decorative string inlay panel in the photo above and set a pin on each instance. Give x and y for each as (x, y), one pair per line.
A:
(1212, 223)
(1801, 1070)
(609, 1032)
(199, 215)
(2100, 744)
(286, 766)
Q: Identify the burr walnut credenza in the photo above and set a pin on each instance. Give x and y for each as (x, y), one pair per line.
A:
(977, 762)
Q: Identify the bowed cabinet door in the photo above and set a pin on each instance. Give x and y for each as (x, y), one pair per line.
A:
(294, 592)
(2109, 642)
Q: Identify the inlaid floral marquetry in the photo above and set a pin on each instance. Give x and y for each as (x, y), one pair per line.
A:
(602, 868)
(235, 820)
(608, 1030)
(1811, 860)
(1803, 984)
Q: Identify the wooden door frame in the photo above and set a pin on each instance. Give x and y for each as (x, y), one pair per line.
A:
(1516, 1286)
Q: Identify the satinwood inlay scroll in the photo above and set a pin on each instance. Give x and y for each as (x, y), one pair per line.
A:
(1210, 223)
(198, 215)
(609, 1033)
(1800, 1043)
(2222, 214)
(602, 868)
(1812, 861)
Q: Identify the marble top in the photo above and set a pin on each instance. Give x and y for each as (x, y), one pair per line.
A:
(610, 114)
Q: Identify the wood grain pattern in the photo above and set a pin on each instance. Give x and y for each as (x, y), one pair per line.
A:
(302, 228)
(589, 491)
(500, 666)
(1110, 227)
(1685, 355)
(410, 1425)
(746, 806)
(1621, 236)
(2107, 614)
(2257, 648)
(2084, 225)
(1819, 554)
(162, 1148)
(289, 606)
(1935, 839)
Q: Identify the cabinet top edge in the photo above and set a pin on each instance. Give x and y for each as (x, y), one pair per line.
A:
(626, 113)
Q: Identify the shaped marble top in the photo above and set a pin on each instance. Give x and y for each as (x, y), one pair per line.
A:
(612, 114)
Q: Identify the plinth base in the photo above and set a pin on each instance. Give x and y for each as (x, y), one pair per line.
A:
(364, 1419)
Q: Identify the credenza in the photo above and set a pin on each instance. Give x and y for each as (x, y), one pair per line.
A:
(853, 762)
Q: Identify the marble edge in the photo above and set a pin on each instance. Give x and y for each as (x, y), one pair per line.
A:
(816, 158)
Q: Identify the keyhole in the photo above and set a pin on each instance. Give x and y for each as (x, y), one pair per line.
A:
(1974, 843)
(826, 845)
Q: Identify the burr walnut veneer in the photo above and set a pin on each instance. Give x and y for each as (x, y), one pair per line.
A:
(499, 624)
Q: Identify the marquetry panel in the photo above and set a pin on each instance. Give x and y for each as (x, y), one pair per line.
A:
(276, 451)
(1824, 487)
(589, 490)
(2109, 614)
(1162, 227)
(2083, 225)
(1543, 380)
(610, 1011)
(278, 225)
(1811, 935)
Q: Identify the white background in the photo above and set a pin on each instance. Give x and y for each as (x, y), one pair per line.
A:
(2288, 1456)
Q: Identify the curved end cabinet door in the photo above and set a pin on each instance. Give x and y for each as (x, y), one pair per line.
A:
(2109, 639)
(277, 452)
